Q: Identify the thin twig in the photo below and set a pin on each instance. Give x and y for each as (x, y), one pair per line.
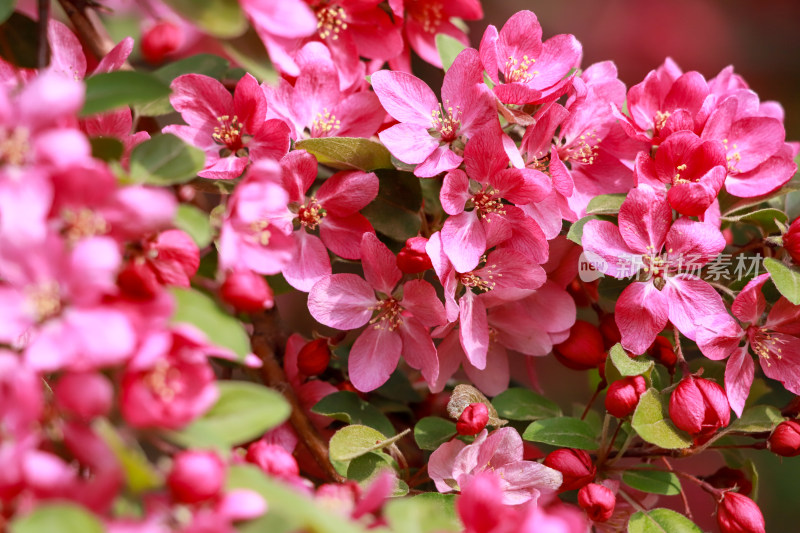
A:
(88, 26)
(683, 492)
(600, 387)
(43, 52)
(265, 338)
(679, 352)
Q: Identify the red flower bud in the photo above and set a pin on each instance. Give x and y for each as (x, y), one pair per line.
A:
(413, 258)
(246, 291)
(473, 419)
(739, 514)
(609, 330)
(575, 465)
(314, 357)
(196, 476)
(729, 478)
(785, 439)
(85, 395)
(699, 407)
(160, 41)
(598, 502)
(662, 351)
(583, 349)
(623, 395)
(272, 459)
(791, 241)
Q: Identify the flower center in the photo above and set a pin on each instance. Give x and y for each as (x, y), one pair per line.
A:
(310, 214)
(259, 232)
(330, 21)
(388, 314)
(764, 343)
(165, 381)
(14, 146)
(585, 150)
(324, 124)
(659, 120)
(481, 283)
(446, 122)
(733, 156)
(82, 223)
(677, 179)
(517, 71)
(43, 300)
(429, 13)
(229, 133)
(486, 203)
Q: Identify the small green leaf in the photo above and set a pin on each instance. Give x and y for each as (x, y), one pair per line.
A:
(111, 90)
(57, 518)
(395, 211)
(106, 148)
(193, 307)
(348, 407)
(764, 218)
(448, 48)
(655, 481)
(220, 18)
(243, 412)
(207, 64)
(786, 279)
(356, 440)
(661, 521)
(6, 9)
(348, 153)
(626, 365)
(524, 404)
(433, 431)
(575, 233)
(651, 423)
(606, 204)
(140, 475)
(366, 467)
(165, 160)
(19, 39)
(429, 512)
(758, 419)
(194, 222)
(563, 431)
(248, 51)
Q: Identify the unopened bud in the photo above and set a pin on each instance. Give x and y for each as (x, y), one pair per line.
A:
(663, 352)
(246, 291)
(413, 258)
(609, 330)
(575, 465)
(583, 349)
(85, 395)
(785, 439)
(791, 241)
(730, 478)
(196, 476)
(314, 357)
(473, 419)
(739, 514)
(623, 395)
(160, 41)
(598, 502)
(699, 407)
(272, 459)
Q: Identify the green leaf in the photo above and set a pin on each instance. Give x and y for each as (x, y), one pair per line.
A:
(356, 440)
(606, 204)
(6, 9)
(297, 509)
(243, 412)
(661, 521)
(563, 431)
(626, 365)
(220, 18)
(248, 51)
(524, 404)
(165, 160)
(348, 407)
(395, 211)
(57, 518)
(448, 48)
(348, 153)
(194, 222)
(193, 307)
(140, 475)
(433, 431)
(651, 423)
(786, 279)
(758, 419)
(106, 148)
(429, 512)
(764, 218)
(365, 468)
(655, 481)
(111, 90)
(19, 40)
(206, 64)
(575, 233)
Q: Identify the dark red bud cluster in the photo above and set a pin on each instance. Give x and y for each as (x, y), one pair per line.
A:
(413, 258)
(663, 352)
(623, 395)
(785, 439)
(699, 407)
(739, 514)
(575, 465)
(161, 40)
(473, 419)
(314, 357)
(791, 241)
(583, 349)
(598, 501)
(246, 291)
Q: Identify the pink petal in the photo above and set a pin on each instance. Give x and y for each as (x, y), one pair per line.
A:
(474, 332)
(380, 264)
(693, 243)
(361, 115)
(450, 356)
(718, 336)
(309, 263)
(418, 349)
(644, 219)
(407, 98)
(242, 504)
(419, 297)
(374, 357)
(410, 143)
(298, 172)
(270, 141)
(440, 464)
(739, 373)
(691, 299)
(249, 103)
(341, 301)
(464, 240)
(116, 57)
(765, 178)
(749, 304)
(345, 193)
(226, 168)
(693, 198)
(785, 365)
(455, 192)
(484, 155)
(493, 379)
(200, 100)
(641, 312)
(440, 160)
(342, 236)
(607, 251)
(526, 238)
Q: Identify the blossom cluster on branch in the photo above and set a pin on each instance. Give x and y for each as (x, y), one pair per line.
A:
(274, 286)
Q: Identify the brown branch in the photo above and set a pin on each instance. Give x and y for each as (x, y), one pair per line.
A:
(43, 50)
(88, 26)
(265, 338)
